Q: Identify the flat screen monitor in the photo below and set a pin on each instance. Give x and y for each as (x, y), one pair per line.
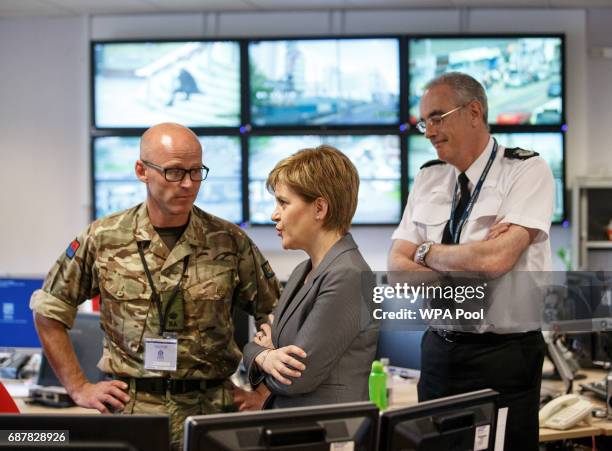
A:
(522, 75)
(324, 81)
(87, 340)
(116, 186)
(462, 422)
(106, 432)
(548, 145)
(401, 347)
(16, 320)
(351, 426)
(139, 84)
(376, 157)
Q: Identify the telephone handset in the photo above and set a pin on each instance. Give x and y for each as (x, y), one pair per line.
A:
(564, 412)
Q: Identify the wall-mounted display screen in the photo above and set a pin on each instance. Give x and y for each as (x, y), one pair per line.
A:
(139, 84)
(522, 75)
(548, 145)
(116, 186)
(376, 157)
(282, 95)
(324, 81)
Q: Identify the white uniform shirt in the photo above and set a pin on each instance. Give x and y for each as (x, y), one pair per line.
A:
(515, 191)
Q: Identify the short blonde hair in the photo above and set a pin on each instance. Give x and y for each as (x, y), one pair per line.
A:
(324, 172)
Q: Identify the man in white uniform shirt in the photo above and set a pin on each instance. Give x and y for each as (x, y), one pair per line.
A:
(479, 208)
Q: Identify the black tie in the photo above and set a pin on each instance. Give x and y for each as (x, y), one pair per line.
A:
(459, 209)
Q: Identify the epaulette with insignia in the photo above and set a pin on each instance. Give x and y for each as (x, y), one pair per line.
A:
(516, 153)
(432, 163)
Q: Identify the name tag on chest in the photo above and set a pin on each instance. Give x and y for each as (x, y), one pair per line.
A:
(160, 354)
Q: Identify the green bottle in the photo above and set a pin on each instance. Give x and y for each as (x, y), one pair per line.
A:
(377, 384)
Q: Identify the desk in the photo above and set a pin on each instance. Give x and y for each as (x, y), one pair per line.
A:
(19, 390)
(36, 408)
(599, 426)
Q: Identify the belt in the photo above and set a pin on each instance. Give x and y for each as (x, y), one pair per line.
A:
(161, 386)
(452, 336)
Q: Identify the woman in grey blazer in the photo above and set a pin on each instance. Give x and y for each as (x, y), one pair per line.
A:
(323, 339)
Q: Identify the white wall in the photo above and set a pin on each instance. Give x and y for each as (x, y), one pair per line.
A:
(44, 175)
(44, 169)
(599, 98)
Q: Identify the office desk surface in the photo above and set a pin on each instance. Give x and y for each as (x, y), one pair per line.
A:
(598, 426)
(36, 408)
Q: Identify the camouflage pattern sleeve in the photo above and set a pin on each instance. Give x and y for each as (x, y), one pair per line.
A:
(70, 282)
(258, 288)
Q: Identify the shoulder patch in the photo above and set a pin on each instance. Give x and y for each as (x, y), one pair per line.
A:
(267, 270)
(516, 153)
(72, 248)
(432, 163)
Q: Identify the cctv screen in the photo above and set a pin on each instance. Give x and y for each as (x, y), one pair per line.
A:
(140, 84)
(324, 81)
(522, 75)
(548, 145)
(116, 186)
(376, 157)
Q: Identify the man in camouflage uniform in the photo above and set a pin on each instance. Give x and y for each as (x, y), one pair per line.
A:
(200, 267)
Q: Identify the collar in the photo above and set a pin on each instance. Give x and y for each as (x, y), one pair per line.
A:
(194, 234)
(475, 170)
(344, 244)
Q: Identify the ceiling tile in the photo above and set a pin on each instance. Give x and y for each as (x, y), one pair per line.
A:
(203, 5)
(31, 7)
(285, 5)
(105, 6)
(580, 4)
(391, 4)
(485, 4)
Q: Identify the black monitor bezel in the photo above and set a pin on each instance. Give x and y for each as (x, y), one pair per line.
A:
(296, 414)
(391, 418)
(97, 428)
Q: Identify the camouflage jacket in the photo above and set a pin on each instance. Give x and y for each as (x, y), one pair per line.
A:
(225, 270)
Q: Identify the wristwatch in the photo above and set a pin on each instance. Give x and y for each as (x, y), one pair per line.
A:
(421, 252)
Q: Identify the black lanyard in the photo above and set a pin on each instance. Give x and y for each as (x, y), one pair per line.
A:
(456, 229)
(155, 296)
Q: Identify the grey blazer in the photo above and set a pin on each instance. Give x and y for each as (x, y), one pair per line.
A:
(330, 318)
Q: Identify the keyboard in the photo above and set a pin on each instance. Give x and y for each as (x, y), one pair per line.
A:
(597, 388)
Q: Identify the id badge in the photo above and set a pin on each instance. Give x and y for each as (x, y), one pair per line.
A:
(160, 354)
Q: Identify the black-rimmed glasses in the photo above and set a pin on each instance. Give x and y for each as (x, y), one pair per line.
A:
(178, 174)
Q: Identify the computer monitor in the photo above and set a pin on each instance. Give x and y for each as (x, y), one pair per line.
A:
(465, 422)
(133, 432)
(549, 145)
(376, 157)
(352, 425)
(115, 186)
(523, 75)
(141, 83)
(16, 320)
(324, 81)
(87, 340)
(401, 347)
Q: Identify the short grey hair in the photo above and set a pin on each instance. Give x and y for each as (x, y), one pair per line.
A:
(466, 89)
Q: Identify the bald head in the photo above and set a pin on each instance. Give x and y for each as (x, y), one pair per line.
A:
(164, 147)
(166, 138)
